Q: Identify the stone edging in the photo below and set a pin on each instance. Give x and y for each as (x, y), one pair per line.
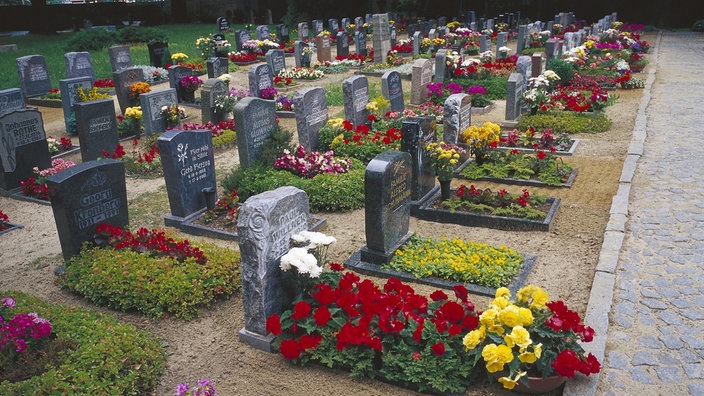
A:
(601, 297)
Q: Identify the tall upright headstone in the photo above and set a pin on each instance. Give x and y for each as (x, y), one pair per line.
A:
(457, 117)
(360, 42)
(317, 25)
(152, 103)
(255, 119)
(501, 41)
(387, 194)
(343, 44)
(523, 65)
(120, 57)
(355, 91)
(311, 114)
(189, 169)
(265, 225)
(550, 50)
(69, 92)
(417, 37)
(34, 75)
(521, 40)
(97, 128)
(483, 43)
(11, 100)
(440, 66)
(392, 89)
(302, 59)
(260, 77)
(303, 31)
(276, 59)
(282, 33)
(159, 55)
(333, 26)
(263, 32)
(322, 44)
(84, 196)
(211, 89)
(123, 81)
(22, 147)
(382, 37)
(241, 36)
(514, 95)
(79, 64)
(416, 134)
(421, 76)
(536, 64)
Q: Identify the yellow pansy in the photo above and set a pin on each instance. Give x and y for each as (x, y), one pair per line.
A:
(510, 383)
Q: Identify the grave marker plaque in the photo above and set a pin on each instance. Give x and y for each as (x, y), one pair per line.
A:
(416, 134)
(69, 92)
(355, 91)
(217, 66)
(255, 119)
(123, 81)
(22, 147)
(152, 102)
(34, 75)
(97, 128)
(392, 89)
(311, 115)
(79, 64)
(210, 90)
(276, 59)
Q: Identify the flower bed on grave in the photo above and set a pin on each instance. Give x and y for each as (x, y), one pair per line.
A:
(61, 147)
(363, 142)
(5, 224)
(224, 135)
(35, 189)
(532, 141)
(50, 99)
(301, 73)
(174, 276)
(83, 349)
(243, 58)
(143, 159)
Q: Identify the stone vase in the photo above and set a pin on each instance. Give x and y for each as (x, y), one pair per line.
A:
(445, 189)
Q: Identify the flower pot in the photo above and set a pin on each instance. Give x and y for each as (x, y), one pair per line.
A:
(637, 68)
(535, 385)
(445, 189)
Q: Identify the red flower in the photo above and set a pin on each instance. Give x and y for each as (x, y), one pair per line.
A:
(372, 118)
(590, 366)
(273, 324)
(438, 349)
(300, 310)
(322, 316)
(416, 355)
(309, 341)
(290, 349)
(419, 330)
(336, 267)
(541, 155)
(566, 363)
(460, 290)
(325, 294)
(438, 295)
(455, 329)
(470, 322)
(451, 311)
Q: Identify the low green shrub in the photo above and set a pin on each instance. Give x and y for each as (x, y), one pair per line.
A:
(531, 51)
(90, 40)
(126, 280)
(131, 35)
(566, 122)
(106, 356)
(227, 139)
(563, 69)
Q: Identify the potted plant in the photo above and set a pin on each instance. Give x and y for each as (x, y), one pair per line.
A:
(444, 156)
(189, 85)
(531, 344)
(481, 139)
(137, 89)
(637, 62)
(173, 115)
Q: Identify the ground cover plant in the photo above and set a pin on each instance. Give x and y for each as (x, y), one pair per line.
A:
(513, 164)
(500, 203)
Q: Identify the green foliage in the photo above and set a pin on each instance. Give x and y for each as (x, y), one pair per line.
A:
(333, 95)
(566, 122)
(495, 86)
(274, 146)
(90, 40)
(227, 139)
(71, 127)
(131, 35)
(531, 51)
(127, 280)
(106, 356)
(550, 170)
(563, 69)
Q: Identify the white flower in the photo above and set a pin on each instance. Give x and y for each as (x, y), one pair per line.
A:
(318, 238)
(551, 75)
(504, 49)
(304, 262)
(225, 77)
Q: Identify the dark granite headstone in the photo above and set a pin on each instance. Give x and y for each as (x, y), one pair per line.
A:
(217, 66)
(176, 73)
(241, 36)
(317, 25)
(22, 147)
(393, 35)
(84, 196)
(79, 64)
(34, 75)
(457, 117)
(514, 96)
(358, 23)
(355, 91)
(69, 92)
(303, 31)
(421, 76)
(11, 100)
(282, 33)
(123, 81)
(360, 42)
(343, 44)
(276, 59)
(263, 33)
(521, 40)
(345, 23)
(416, 134)
(333, 26)
(97, 128)
(255, 119)
(210, 90)
(260, 77)
(120, 57)
(152, 103)
(392, 89)
(550, 49)
(265, 225)
(222, 24)
(159, 55)
(189, 167)
(302, 59)
(311, 115)
(387, 193)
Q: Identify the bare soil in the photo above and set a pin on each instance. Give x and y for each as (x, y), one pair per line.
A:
(208, 347)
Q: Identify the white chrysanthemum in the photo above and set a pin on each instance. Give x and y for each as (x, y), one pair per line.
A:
(304, 262)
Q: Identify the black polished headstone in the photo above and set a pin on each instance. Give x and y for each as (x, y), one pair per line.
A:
(69, 92)
(222, 24)
(416, 134)
(97, 128)
(11, 100)
(360, 43)
(282, 33)
(355, 92)
(276, 59)
(159, 55)
(260, 77)
(176, 73)
(255, 119)
(22, 147)
(217, 66)
(34, 75)
(210, 90)
(123, 81)
(392, 89)
(343, 44)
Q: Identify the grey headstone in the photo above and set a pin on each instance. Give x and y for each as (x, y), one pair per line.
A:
(317, 25)
(241, 36)
(343, 44)
(333, 26)
(521, 40)
(501, 41)
(260, 77)
(358, 23)
(569, 40)
(355, 91)
(152, 102)
(276, 59)
(514, 96)
(265, 225)
(298, 54)
(217, 66)
(176, 73)
(282, 33)
(483, 43)
(159, 55)
(368, 18)
(440, 66)
(79, 64)
(255, 119)
(382, 37)
(123, 81)
(417, 37)
(416, 134)
(11, 100)
(393, 35)
(360, 42)
(523, 65)
(210, 90)
(84, 196)
(34, 75)
(457, 117)
(189, 167)
(69, 92)
(550, 50)
(392, 89)
(387, 193)
(22, 147)
(303, 31)
(97, 128)
(120, 57)
(345, 22)
(322, 43)
(422, 74)
(263, 32)
(311, 115)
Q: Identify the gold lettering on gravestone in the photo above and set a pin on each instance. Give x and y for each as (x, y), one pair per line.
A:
(399, 192)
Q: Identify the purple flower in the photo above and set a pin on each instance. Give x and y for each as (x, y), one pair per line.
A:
(268, 93)
(476, 90)
(181, 389)
(8, 302)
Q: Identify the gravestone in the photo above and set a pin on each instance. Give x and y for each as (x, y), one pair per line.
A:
(241, 36)
(123, 81)
(282, 33)
(442, 21)
(345, 22)
(34, 75)
(416, 134)
(176, 73)
(263, 33)
(368, 18)
(22, 147)
(303, 31)
(317, 25)
(424, 28)
(255, 119)
(85, 195)
(421, 76)
(120, 57)
(490, 24)
(159, 55)
(265, 225)
(417, 37)
(483, 43)
(440, 66)
(358, 23)
(322, 44)
(189, 168)
(210, 90)
(569, 41)
(97, 128)
(260, 77)
(222, 24)
(300, 57)
(69, 92)
(11, 100)
(550, 50)
(343, 44)
(217, 66)
(433, 33)
(501, 41)
(333, 26)
(382, 37)
(392, 89)
(514, 96)
(360, 42)
(355, 91)
(311, 115)
(523, 64)
(79, 64)
(457, 117)
(536, 64)
(392, 36)
(276, 59)
(152, 102)
(387, 193)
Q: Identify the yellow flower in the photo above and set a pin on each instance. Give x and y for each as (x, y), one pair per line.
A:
(474, 338)
(530, 357)
(510, 383)
(488, 317)
(496, 356)
(526, 316)
(503, 292)
(519, 336)
(510, 316)
(500, 303)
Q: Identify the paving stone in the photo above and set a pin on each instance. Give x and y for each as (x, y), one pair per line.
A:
(696, 389)
(670, 317)
(625, 308)
(693, 341)
(694, 371)
(649, 293)
(694, 313)
(653, 303)
(618, 360)
(649, 342)
(669, 374)
(622, 321)
(666, 358)
(641, 358)
(641, 376)
(680, 303)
